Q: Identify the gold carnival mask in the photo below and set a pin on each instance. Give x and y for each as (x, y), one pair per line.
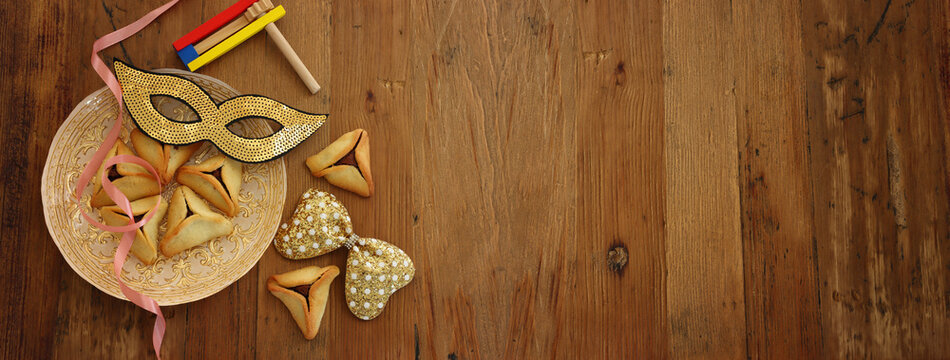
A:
(375, 269)
(138, 88)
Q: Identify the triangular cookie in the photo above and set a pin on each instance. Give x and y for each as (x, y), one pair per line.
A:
(345, 163)
(150, 150)
(133, 186)
(166, 159)
(217, 179)
(304, 292)
(191, 223)
(145, 246)
(126, 169)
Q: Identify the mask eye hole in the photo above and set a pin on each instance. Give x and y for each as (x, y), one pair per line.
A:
(239, 127)
(174, 109)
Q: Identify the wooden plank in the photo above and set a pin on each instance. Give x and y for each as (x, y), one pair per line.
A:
(257, 66)
(620, 183)
(365, 39)
(703, 240)
(878, 160)
(493, 176)
(777, 226)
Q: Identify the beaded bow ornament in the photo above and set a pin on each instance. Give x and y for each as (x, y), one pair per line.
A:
(375, 269)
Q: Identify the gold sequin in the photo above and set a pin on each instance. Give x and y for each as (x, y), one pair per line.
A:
(375, 269)
(138, 88)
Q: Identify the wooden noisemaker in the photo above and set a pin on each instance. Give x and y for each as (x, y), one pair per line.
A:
(201, 46)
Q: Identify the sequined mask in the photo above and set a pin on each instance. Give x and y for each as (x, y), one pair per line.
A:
(138, 88)
(375, 269)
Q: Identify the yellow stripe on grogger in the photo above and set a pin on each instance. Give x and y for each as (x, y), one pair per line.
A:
(236, 39)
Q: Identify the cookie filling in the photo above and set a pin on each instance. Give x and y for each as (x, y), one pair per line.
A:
(217, 175)
(113, 173)
(303, 289)
(350, 157)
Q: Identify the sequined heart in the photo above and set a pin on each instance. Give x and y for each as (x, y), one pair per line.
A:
(319, 225)
(375, 269)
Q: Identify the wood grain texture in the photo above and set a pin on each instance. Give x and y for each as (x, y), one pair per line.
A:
(774, 179)
(620, 189)
(603, 179)
(877, 131)
(703, 240)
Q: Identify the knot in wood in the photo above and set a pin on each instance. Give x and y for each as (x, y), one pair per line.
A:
(617, 258)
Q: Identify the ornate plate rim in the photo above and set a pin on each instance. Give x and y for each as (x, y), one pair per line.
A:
(46, 197)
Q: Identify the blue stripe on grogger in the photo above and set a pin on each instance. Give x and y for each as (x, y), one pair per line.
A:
(187, 54)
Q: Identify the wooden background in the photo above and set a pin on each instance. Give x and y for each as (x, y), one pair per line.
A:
(776, 172)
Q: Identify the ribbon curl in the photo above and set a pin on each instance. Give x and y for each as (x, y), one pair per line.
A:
(375, 269)
(128, 236)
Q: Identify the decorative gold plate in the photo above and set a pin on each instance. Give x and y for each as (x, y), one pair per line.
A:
(193, 274)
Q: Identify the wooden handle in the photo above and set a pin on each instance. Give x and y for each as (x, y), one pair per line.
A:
(292, 57)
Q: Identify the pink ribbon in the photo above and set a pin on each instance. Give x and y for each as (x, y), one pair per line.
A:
(129, 230)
